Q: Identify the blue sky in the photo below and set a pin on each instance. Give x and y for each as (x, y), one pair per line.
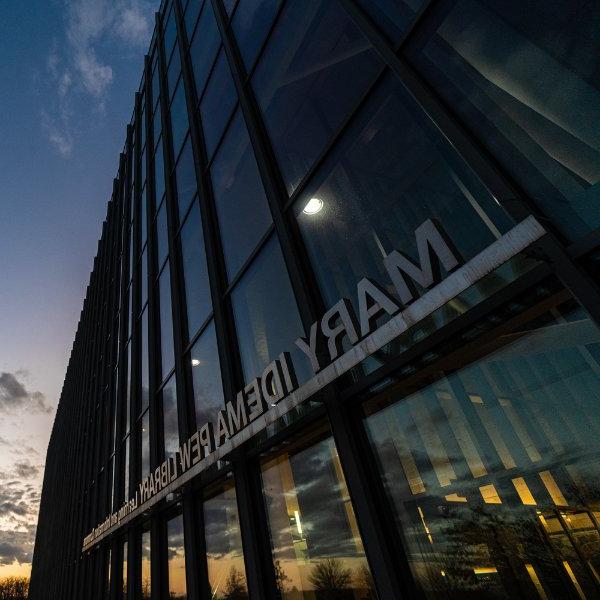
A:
(68, 75)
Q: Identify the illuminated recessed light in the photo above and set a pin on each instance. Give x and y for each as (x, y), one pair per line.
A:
(195, 362)
(313, 206)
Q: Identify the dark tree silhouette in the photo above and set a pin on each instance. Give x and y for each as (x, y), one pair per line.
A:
(235, 586)
(14, 588)
(331, 580)
(280, 577)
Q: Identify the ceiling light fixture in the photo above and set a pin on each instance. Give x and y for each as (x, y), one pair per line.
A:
(313, 206)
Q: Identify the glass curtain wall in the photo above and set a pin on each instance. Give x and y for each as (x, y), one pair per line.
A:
(317, 548)
(224, 554)
(492, 469)
(176, 582)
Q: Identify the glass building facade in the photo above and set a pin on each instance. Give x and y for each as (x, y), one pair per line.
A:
(279, 152)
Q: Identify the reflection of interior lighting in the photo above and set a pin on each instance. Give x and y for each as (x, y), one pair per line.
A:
(524, 491)
(553, 489)
(443, 573)
(195, 362)
(536, 581)
(455, 498)
(298, 524)
(489, 494)
(313, 206)
(573, 579)
(425, 525)
(484, 570)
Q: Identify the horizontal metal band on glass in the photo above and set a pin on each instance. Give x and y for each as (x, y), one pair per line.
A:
(510, 244)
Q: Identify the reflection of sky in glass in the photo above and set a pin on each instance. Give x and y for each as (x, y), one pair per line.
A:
(206, 373)
(266, 314)
(226, 570)
(171, 426)
(311, 520)
(145, 569)
(125, 557)
(176, 559)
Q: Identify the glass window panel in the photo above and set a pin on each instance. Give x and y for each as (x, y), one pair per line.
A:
(145, 375)
(159, 172)
(170, 423)
(112, 502)
(157, 125)
(176, 559)
(131, 238)
(145, 444)
(114, 409)
(388, 175)
(197, 290)
(185, 174)
(229, 5)
(492, 467)
(162, 241)
(107, 571)
(144, 275)
(143, 124)
(143, 219)
(218, 103)
(251, 23)
(266, 314)
(224, 554)
(125, 467)
(145, 571)
(317, 548)
(124, 581)
(242, 207)
(393, 16)
(524, 78)
(170, 33)
(192, 11)
(166, 322)
(143, 168)
(127, 391)
(315, 69)
(179, 117)
(206, 373)
(155, 82)
(129, 310)
(204, 46)
(174, 71)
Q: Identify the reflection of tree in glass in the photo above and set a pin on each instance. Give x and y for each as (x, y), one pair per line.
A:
(280, 577)
(146, 588)
(235, 586)
(331, 580)
(364, 581)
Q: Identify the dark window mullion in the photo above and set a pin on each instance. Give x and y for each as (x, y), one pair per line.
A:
(306, 292)
(176, 272)
(231, 370)
(153, 309)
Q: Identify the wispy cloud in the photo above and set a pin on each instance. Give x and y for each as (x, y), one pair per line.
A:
(15, 396)
(79, 65)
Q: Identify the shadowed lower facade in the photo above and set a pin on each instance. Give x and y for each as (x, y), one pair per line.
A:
(341, 338)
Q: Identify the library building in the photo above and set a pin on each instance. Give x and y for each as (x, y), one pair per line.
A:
(341, 339)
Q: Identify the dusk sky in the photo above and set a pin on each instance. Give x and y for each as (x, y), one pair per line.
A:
(69, 72)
